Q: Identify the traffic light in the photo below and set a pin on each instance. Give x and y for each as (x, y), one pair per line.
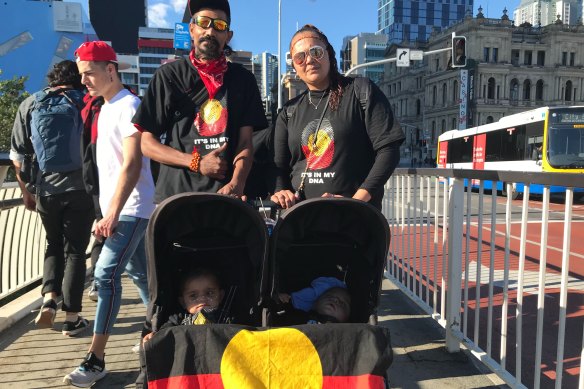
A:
(458, 51)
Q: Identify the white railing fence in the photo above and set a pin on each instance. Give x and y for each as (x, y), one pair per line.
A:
(499, 275)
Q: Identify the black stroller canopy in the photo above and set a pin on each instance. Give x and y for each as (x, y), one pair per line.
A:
(210, 230)
(338, 237)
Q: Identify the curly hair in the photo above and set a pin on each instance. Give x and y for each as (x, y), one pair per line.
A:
(337, 80)
(65, 73)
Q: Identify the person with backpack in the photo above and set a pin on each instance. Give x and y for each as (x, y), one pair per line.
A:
(45, 144)
(339, 137)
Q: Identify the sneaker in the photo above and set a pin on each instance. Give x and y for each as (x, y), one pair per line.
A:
(91, 370)
(136, 348)
(92, 293)
(72, 328)
(46, 316)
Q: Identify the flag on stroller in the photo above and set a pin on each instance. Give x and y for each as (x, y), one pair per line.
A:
(233, 356)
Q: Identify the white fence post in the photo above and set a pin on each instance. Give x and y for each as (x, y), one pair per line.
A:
(454, 283)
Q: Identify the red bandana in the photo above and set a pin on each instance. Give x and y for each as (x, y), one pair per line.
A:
(211, 72)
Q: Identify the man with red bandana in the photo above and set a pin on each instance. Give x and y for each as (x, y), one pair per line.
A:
(198, 114)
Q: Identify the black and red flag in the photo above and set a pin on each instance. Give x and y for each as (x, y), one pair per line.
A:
(306, 356)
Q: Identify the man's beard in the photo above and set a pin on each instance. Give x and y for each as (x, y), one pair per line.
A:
(210, 50)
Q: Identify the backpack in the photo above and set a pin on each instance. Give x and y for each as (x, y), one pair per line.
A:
(56, 129)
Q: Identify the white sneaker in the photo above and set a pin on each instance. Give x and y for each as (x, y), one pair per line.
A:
(91, 370)
(136, 348)
(92, 293)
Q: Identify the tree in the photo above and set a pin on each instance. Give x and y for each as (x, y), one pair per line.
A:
(12, 93)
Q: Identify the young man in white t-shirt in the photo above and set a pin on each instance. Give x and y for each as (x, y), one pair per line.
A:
(126, 192)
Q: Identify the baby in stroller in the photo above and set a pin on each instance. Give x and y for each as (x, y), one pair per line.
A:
(327, 300)
(201, 295)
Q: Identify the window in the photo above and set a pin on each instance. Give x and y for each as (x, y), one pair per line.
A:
(515, 57)
(490, 119)
(527, 90)
(491, 88)
(572, 58)
(568, 91)
(460, 150)
(486, 53)
(539, 90)
(454, 127)
(527, 57)
(418, 107)
(506, 145)
(444, 94)
(564, 58)
(455, 92)
(434, 93)
(433, 131)
(514, 90)
(495, 54)
(443, 126)
(541, 58)
(437, 64)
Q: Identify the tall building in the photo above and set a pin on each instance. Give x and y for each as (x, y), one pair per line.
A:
(118, 22)
(155, 47)
(543, 12)
(34, 35)
(364, 48)
(414, 21)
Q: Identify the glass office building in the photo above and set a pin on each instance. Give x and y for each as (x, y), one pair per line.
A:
(413, 21)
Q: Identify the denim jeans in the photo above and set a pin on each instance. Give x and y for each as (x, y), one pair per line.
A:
(124, 250)
(67, 218)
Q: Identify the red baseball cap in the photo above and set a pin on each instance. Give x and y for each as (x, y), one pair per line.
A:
(98, 51)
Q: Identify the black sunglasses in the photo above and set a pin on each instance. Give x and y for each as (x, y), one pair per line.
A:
(207, 22)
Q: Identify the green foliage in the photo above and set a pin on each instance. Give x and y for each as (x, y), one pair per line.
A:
(12, 93)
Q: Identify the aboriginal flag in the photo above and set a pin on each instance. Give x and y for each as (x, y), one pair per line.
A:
(232, 356)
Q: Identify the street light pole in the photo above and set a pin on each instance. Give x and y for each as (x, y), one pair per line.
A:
(279, 55)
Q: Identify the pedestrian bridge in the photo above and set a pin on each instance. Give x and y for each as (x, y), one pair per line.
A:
(481, 290)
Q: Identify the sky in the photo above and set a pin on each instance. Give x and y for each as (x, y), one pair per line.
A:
(255, 22)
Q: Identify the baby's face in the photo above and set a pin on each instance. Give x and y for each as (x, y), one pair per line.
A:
(335, 302)
(201, 292)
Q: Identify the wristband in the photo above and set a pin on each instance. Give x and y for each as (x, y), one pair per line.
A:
(196, 161)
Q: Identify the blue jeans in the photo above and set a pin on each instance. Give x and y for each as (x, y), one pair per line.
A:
(124, 250)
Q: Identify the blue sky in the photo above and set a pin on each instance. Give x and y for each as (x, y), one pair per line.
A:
(255, 22)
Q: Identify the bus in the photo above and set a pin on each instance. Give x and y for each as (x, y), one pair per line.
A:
(546, 139)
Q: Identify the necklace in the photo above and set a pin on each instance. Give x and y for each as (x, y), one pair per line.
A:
(319, 101)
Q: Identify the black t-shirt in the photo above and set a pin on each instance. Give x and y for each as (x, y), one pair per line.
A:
(356, 147)
(168, 111)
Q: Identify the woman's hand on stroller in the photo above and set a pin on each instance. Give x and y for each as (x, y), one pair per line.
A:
(232, 190)
(284, 198)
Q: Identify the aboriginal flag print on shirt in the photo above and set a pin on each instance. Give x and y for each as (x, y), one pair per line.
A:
(232, 356)
(211, 120)
(318, 145)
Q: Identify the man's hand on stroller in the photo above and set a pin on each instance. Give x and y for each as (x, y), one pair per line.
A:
(232, 190)
(284, 198)
(147, 337)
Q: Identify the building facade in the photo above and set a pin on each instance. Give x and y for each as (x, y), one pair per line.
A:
(510, 69)
(543, 12)
(118, 22)
(414, 21)
(363, 48)
(35, 35)
(155, 47)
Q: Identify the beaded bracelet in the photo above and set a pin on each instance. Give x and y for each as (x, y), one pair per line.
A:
(196, 161)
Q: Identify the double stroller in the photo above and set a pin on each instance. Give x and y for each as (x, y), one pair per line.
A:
(342, 238)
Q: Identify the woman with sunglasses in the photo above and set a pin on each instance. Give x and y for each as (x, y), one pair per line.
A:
(340, 139)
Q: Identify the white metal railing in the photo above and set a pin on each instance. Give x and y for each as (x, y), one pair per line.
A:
(481, 267)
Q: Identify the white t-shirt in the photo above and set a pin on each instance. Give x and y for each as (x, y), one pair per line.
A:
(113, 125)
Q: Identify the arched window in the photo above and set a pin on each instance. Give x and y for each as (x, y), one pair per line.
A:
(491, 88)
(527, 90)
(443, 126)
(433, 131)
(539, 90)
(514, 90)
(455, 92)
(418, 107)
(490, 119)
(434, 93)
(444, 94)
(454, 127)
(568, 91)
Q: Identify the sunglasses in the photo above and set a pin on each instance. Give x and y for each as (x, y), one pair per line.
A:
(315, 52)
(207, 22)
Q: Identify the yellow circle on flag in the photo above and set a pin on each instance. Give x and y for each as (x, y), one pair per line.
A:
(211, 111)
(278, 358)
